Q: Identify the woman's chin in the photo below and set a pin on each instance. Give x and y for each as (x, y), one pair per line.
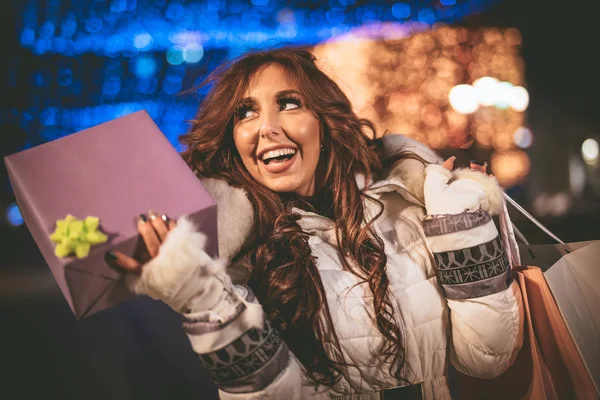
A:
(281, 185)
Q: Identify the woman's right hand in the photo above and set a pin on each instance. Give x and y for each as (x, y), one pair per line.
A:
(172, 265)
(153, 230)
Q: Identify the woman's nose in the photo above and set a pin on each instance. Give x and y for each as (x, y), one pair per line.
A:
(269, 124)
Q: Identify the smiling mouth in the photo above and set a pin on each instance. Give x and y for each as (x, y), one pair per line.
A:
(279, 164)
(278, 156)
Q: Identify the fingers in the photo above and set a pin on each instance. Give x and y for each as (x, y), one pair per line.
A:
(153, 230)
(481, 168)
(122, 261)
(149, 235)
(160, 223)
(449, 163)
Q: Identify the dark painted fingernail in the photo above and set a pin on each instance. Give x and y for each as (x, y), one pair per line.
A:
(165, 218)
(110, 257)
(143, 218)
(474, 162)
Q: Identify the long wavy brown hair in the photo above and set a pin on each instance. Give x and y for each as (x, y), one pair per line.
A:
(284, 275)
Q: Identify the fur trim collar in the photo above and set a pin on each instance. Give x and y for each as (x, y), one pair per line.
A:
(235, 214)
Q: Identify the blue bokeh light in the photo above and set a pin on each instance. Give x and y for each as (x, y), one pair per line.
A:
(172, 84)
(140, 54)
(68, 27)
(124, 27)
(47, 29)
(174, 11)
(144, 67)
(115, 44)
(427, 16)
(260, 2)
(192, 53)
(175, 55)
(49, 116)
(27, 36)
(118, 6)
(93, 25)
(335, 16)
(401, 10)
(43, 45)
(147, 85)
(112, 86)
(13, 215)
(143, 41)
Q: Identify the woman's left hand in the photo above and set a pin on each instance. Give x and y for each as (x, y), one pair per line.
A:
(445, 197)
(449, 165)
(480, 168)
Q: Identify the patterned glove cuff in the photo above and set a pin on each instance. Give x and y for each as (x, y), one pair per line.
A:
(247, 364)
(469, 254)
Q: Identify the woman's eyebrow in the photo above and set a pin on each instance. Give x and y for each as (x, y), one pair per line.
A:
(283, 93)
(288, 92)
(247, 100)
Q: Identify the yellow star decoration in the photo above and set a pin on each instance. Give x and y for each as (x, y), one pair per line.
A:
(76, 236)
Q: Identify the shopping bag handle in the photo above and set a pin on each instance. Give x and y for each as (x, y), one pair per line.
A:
(531, 218)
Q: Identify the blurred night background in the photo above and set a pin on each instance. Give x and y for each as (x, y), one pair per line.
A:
(514, 83)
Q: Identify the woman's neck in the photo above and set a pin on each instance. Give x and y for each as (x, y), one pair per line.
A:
(321, 202)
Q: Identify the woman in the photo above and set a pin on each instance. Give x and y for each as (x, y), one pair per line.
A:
(352, 276)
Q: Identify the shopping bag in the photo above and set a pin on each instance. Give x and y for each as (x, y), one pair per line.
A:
(550, 364)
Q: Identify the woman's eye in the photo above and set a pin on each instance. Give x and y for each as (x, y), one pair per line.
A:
(245, 112)
(289, 104)
(249, 113)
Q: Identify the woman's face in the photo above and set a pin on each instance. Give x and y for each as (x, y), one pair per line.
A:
(277, 137)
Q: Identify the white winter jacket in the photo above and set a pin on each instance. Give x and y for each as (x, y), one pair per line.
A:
(449, 278)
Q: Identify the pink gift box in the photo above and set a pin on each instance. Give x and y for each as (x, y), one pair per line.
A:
(114, 171)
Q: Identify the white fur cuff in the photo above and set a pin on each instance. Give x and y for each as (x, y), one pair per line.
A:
(493, 191)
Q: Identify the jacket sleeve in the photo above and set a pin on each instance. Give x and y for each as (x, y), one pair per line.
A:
(241, 351)
(224, 322)
(486, 309)
(485, 303)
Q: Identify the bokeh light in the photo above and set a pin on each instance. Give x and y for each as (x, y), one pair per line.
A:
(510, 167)
(590, 151)
(463, 99)
(504, 95)
(523, 137)
(143, 41)
(13, 215)
(144, 67)
(440, 84)
(555, 205)
(175, 55)
(486, 89)
(192, 53)
(519, 99)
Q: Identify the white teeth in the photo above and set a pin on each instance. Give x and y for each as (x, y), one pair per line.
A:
(277, 153)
